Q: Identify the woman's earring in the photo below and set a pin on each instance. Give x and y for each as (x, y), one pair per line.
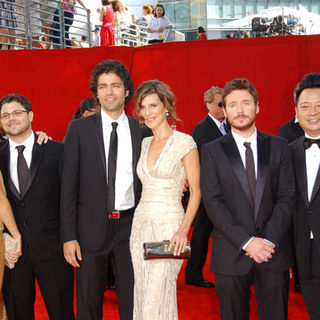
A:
(167, 114)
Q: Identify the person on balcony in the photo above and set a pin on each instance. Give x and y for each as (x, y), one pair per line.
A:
(158, 25)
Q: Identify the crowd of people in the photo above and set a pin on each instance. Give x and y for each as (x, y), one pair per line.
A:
(117, 20)
(116, 184)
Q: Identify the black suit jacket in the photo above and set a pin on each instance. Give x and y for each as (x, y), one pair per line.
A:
(290, 130)
(205, 131)
(84, 186)
(37, 212)
(227, 198)
(306, 213)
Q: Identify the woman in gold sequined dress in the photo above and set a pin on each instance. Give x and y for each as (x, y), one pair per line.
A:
(7, 218)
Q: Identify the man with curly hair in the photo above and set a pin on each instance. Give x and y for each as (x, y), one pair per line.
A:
(100, 189)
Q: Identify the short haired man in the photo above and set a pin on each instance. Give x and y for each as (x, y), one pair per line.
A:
(31, 174)
(100, 190)
(209, 129)
(306, 160)
(248, 191)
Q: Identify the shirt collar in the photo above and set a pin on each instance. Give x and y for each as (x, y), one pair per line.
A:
(307, 136)
(240, 140)
(107, 120)
(217, 122)
(28, 143)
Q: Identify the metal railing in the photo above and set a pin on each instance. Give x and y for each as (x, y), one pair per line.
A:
(46, 24)
(34, 24)
(132, 35)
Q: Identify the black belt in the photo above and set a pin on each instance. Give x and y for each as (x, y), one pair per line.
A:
(117, 214)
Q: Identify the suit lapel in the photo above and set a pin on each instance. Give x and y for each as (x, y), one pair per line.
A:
(301, 170)
(316, 185)
(37, 153)
(231, 150)
(136, 143)
(99, 133)
(5, 150)
(263, 158)
(213, 130)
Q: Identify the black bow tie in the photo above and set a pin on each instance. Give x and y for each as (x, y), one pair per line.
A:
(307, 143)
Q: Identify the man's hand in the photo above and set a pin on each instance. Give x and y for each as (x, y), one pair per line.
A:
(259, 250)
(42, 137)
(72, 252)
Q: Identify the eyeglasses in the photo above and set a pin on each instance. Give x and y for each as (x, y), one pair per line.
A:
(14, 114)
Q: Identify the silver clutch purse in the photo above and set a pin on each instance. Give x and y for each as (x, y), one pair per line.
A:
(159, 250)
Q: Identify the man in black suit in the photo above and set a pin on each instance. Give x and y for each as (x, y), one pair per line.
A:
(290, 130)
(31, 174)
(209, 129)
(248, 191)
(100, 189)
(306, 159)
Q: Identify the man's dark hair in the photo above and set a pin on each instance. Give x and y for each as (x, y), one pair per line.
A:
(17, 98)
(111, 66)
(239, 84)
(309, 81)
(87, 104)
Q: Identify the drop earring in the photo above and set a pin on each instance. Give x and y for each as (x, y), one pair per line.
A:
(167, 114)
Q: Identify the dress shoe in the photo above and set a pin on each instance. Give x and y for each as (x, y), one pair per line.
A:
(201, 283)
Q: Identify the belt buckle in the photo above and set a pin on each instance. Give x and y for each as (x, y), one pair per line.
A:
(115, 215)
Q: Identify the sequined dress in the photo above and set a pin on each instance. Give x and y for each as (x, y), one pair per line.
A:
(157, 217)
(2, 262)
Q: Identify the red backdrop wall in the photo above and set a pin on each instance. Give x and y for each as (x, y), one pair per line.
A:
(55, 81)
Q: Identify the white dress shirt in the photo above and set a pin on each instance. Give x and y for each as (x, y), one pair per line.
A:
(312, 166)
(124, 192)
(27, 153)
(219, 124)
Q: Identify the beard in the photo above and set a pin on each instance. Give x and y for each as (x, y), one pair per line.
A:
(242, 125)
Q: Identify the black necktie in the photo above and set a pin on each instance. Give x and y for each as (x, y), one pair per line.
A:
(112, 167)
(250, 169)
(23, 171)
(307, 143)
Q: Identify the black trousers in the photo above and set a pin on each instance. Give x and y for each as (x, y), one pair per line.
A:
(202, 229)
(56, 281)
(271, 288)
(92, 275)
(311, 287)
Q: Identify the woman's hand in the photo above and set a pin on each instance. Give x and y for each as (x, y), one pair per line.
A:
(13, 256)
(179, 242)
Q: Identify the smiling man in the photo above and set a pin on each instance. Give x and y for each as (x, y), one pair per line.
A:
(100, 189)
(306, 156)
(248, 191)
(31, 173)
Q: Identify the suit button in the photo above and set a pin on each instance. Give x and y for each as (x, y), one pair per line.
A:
(22, 204)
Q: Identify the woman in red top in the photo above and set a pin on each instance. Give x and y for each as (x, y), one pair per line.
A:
(107, 17)
(202, 34)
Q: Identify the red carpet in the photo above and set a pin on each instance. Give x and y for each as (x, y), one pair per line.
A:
(193, 303)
